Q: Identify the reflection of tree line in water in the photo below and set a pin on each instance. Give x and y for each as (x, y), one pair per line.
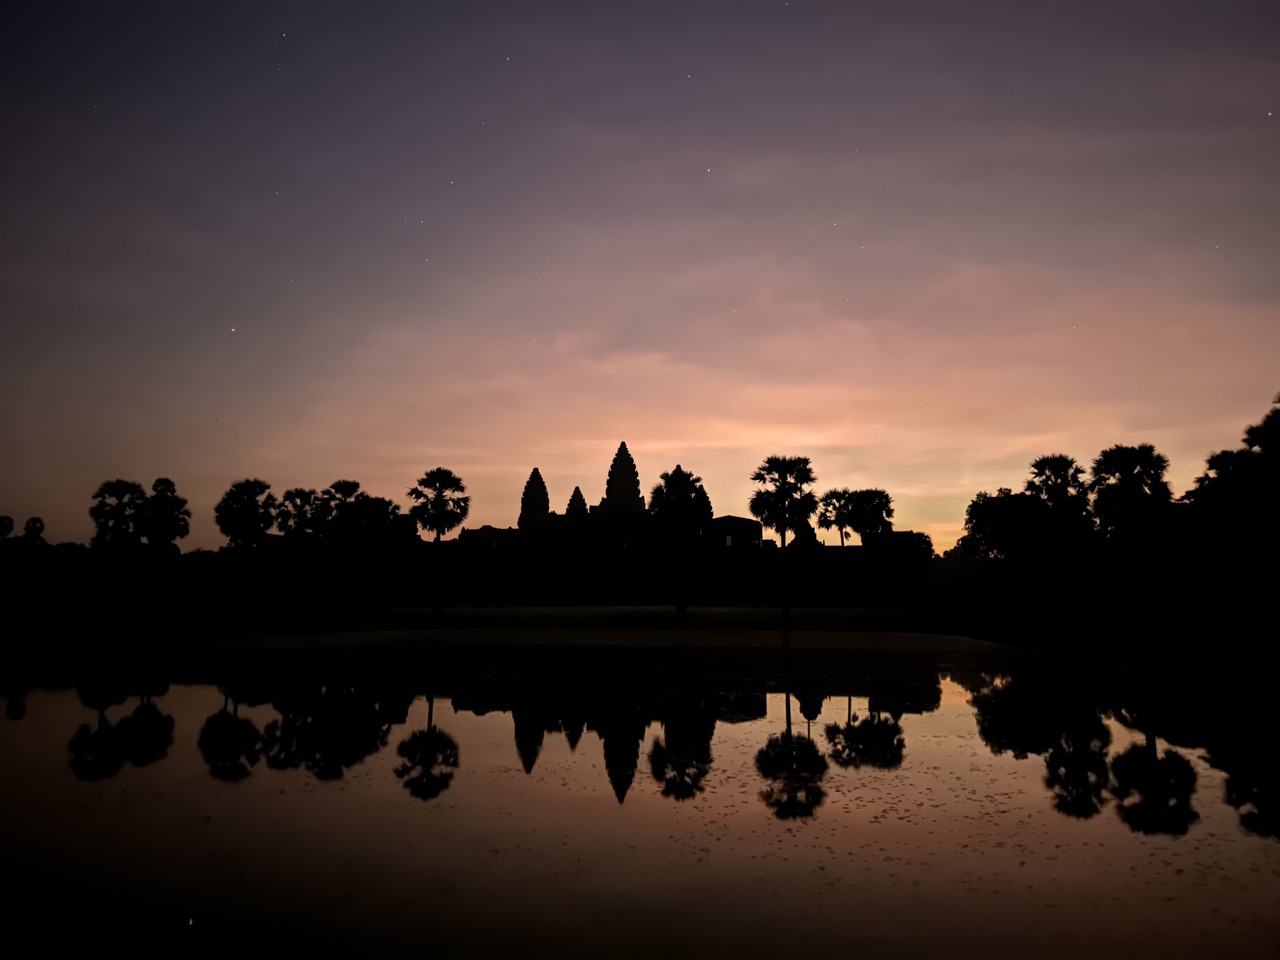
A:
(327, 729)
(1116, 516)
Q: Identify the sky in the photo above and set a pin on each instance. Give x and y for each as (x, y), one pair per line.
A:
(919, 243)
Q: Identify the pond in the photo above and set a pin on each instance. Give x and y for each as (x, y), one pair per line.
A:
(878, 808)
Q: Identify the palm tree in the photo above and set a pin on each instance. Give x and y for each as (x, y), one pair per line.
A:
(430, 759)
(117, 505)
(870, 513)
(164, 517)
(441, 504)
(833, 511)
(680, 506)
(1129, 489)
(785, 503)
(246, 512)
(1058, 480)
(793, 765)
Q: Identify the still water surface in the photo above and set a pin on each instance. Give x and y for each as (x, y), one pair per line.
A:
(956, 816)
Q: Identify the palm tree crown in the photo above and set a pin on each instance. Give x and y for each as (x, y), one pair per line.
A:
(441, 504)
(786, 503)
(1128, 487)
(833, 511)
(1057, 479)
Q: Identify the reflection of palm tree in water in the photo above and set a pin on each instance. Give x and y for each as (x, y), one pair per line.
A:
(1154, 790)
(1076, 769)
(146, 734)
(230, 744)
(874, 741)
(329, 728)
(101, 751)
(793, 765)
(96, 752)
(430, 758)
(681, 758)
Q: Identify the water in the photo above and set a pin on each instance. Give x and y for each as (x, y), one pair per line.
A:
(537, 820)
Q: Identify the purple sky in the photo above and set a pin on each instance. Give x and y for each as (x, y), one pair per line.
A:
(919, 243)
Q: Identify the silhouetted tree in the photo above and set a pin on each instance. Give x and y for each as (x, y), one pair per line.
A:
(352, 517)
(679, 507)
(833, 511)
(785, 503)
(164, 517)
(1058, 480)
(1007, 526)
(246, 512)
(1237, 498)
(33, 531)
(870, 513)
(440, 502)
(535, 504)
(6, 527)
(301, 513)
(117, 505)
(1130, 495)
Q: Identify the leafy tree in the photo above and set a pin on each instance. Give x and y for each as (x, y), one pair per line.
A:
(372, 520)
(164, 517)
(6, 527)
(1006, 526)
(349, 516)
(1264, 437)
(535, 503)
(785, 503)
(33, 530)
(117, 505)
(1239, 493)
(441, 503)
(679, 506)
(1130, 494)
(246, 512)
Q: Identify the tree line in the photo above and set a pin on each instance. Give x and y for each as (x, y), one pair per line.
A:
(1119, 508)
(1124, 503)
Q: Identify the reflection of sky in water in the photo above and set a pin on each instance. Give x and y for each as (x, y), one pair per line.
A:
(957, 851)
